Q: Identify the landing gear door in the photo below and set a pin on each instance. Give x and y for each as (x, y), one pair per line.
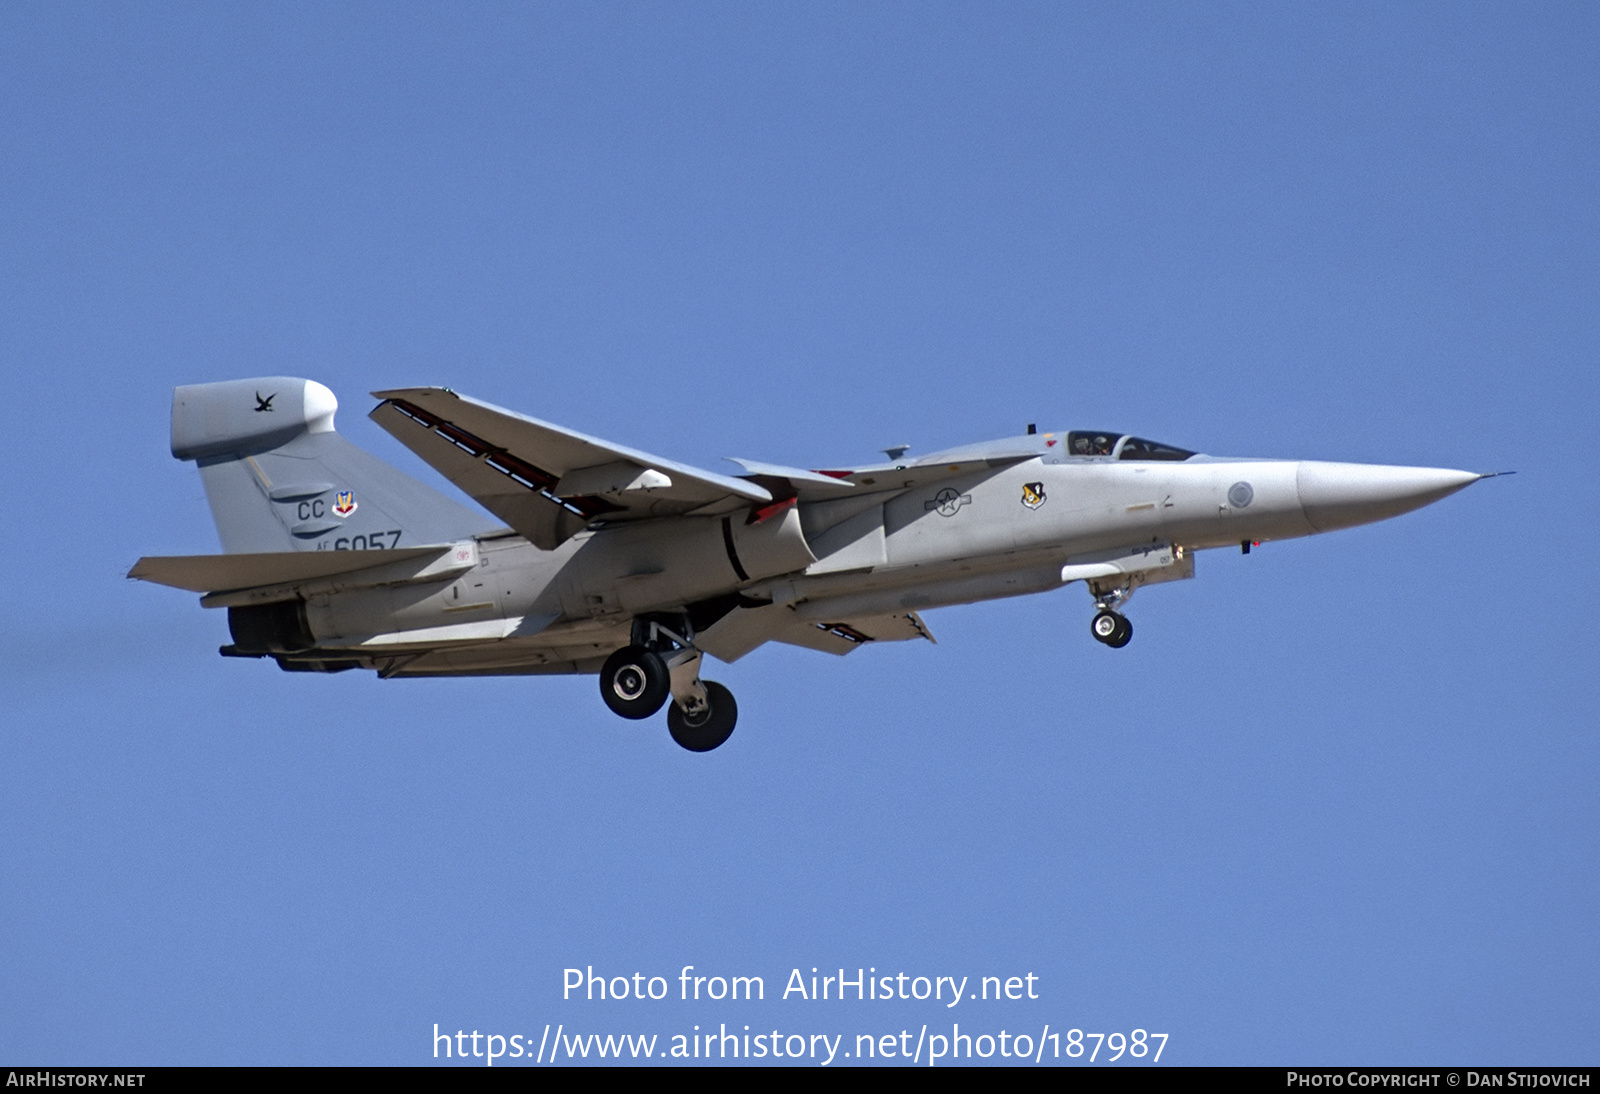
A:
(1128, 568)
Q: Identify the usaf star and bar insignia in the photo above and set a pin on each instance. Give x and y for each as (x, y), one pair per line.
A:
(947, 502)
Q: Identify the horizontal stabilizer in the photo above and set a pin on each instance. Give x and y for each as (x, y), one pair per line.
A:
(217, 573)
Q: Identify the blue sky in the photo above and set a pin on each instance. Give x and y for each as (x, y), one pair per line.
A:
(1335, 803)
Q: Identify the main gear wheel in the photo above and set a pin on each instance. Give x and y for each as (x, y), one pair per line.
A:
(635, 682)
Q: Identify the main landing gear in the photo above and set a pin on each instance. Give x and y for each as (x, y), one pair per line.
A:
(663, 664)
(708, 727)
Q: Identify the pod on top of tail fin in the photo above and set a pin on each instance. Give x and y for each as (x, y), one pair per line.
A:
(279, 478)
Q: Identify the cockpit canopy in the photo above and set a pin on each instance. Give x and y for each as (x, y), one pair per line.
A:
(1082, 442)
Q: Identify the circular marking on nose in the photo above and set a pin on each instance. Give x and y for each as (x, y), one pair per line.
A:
(1240, 495)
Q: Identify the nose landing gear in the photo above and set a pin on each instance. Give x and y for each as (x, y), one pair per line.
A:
(1112, 628)
(1109, 625)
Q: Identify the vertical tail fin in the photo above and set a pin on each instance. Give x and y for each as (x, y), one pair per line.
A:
(280, 479)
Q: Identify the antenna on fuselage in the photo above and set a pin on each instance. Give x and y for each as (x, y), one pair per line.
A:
(895, 451)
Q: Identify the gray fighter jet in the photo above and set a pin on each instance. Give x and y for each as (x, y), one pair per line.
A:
(604, 559)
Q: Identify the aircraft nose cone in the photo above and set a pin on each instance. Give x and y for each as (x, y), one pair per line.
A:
(1342, 495)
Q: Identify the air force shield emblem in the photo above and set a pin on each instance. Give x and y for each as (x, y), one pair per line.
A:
(1033, 494)
(344, 503)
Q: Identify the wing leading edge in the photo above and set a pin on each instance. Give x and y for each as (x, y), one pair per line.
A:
(549, 482)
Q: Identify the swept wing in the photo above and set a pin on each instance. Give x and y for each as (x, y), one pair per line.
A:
(548, 482)
(545, 481)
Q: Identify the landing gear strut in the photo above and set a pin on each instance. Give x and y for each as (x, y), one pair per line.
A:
(1109, 625)
(1112, 628)
(705, 729)
(663, 662)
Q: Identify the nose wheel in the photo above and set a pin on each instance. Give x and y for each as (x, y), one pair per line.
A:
(1112, 628)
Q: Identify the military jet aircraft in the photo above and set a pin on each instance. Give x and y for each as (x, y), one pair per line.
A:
(604, 559)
